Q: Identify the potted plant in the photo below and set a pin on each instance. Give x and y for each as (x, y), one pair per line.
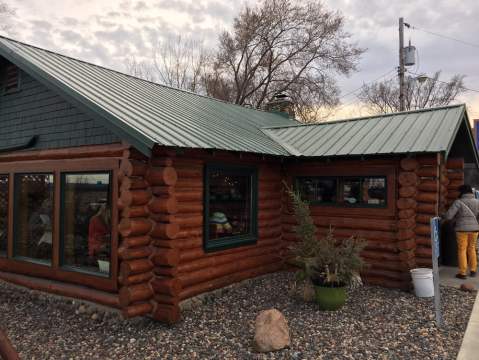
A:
(327, 265)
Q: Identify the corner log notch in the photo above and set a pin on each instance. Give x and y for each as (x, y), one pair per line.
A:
(148, 227)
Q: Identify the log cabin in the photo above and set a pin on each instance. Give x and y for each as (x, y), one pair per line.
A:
(139, 196)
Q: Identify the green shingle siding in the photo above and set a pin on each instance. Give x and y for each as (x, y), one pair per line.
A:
(36, 110)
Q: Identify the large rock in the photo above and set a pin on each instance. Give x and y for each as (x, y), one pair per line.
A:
(271, 331)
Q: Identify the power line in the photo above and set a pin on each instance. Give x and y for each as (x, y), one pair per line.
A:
(446, 37)
(359, 88)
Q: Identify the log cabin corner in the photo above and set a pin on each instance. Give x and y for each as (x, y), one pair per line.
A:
(138, 196)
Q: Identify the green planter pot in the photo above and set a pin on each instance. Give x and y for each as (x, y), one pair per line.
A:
(330, 298)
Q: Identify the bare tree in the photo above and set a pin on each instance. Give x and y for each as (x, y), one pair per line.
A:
(383, 97)
(178, 61)
(296, 47)
(6, 12)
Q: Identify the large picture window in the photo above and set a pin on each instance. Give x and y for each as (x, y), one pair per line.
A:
(230, 206)
(33, 217)
(86, 222)
(357, 191)
(3, 214)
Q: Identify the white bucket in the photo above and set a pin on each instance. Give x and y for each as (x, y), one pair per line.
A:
(422, 280)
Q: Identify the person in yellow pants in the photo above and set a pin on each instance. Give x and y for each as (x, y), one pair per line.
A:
(465, 211)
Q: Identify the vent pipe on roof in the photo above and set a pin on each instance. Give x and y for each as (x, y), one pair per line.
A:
(282, 104)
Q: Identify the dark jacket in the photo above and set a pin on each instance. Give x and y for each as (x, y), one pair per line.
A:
(465, 211)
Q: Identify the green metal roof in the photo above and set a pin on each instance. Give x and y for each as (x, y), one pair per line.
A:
(421, 131)
(145, 113)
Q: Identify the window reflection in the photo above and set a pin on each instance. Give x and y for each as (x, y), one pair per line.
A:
(87, 221)
(3, 214)
(34, 216)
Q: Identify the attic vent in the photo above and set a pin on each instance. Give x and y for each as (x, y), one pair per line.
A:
(11, 81)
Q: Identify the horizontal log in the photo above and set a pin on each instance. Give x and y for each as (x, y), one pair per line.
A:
(161, 161)
(165, 191)
(424, 252)
(166, 257)
(406, 213)
(220, 260)
(454, 184)
(351, 223)
(165, 243)
(137, 309)
(405, 234)
(428, 171)
(187, 195)
(189, 243)
(386, 274)
(164, 218)
(455, 176)
(134, 293)
(423, 219)
(189, 184)
(455, 163)
(169, 314)
(422, 230)
(187, 221)
(385, 265)
(423, 208)
(408, 179)
(408, 164)
(166, 299)
(134, 227)
(423, 240)
(132, 267)
(427, 185)
(163, 205)
(406, 223)
(406, 244)
(135, 241)
(378, 255)
(406, 203)
(407, 191)
(162, 176)
(269, 204)
(453, 195)
(190, 173)
(227, 280)
(424, 262)
(386, 282)
(195, 207)
(381, 246)
(134, 212)
(427, 197)
(407, 256)
(125, 253)
(190, 233)
(166, 285)
(167, 271)
(133, 167)
(427, 160)
(135, 197)
(135, 154)
(133, 183)
(165, 231)
(135, 279)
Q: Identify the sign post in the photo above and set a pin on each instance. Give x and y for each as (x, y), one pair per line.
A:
(435, 244)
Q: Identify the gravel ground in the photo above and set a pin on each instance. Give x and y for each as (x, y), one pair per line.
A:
(376, 323)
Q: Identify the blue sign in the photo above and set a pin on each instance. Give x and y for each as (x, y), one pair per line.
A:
(435, 238)
(476, 193)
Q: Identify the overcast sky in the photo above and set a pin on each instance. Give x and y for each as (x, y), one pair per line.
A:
(108, 32)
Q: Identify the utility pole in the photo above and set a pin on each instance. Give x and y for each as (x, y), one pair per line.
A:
(401, 70)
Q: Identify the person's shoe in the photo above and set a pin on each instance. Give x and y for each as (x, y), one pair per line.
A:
(472, 274)
(462, 277)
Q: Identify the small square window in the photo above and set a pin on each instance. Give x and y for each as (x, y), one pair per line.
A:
(230, 206)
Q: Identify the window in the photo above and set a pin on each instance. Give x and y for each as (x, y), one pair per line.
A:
(3, 214)
(359, 191)
(33, 217)
(10, 79)
(230, 206)
(86, 222)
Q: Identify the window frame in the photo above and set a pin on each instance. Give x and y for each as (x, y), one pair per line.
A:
(15, 224)
(235, 240)
(339, 190)
(55, 271)
(61, 258)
